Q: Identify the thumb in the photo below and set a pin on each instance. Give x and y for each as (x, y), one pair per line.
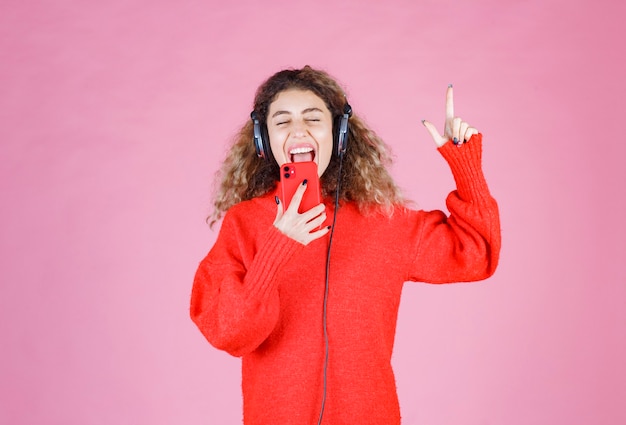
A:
(437, 138)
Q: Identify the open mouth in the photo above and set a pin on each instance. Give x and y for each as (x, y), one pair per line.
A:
(302, 154)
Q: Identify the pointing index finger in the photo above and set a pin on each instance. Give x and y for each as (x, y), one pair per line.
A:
(449, 103)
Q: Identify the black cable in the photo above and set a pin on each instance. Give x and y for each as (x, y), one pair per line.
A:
(330, 242)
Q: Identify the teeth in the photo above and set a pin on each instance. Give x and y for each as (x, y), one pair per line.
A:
(300, 150)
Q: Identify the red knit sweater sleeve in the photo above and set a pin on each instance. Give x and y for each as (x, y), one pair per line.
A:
(234, 298)
(465, 245)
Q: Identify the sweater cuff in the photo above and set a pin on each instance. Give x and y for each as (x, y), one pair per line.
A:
(275, 251)
(465, 163)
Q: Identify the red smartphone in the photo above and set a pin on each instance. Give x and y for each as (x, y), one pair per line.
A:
(292, 175)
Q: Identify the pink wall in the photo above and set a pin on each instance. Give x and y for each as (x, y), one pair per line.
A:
(115, 115)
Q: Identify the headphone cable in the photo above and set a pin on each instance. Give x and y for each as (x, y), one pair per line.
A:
(324, 320)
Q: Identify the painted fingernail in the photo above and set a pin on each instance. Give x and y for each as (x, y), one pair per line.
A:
(304, 182)
(450, 85)
(328, 227)
(424, 122)
(277, 200)
(455, 141)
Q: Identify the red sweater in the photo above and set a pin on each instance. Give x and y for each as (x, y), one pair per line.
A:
(259, 294)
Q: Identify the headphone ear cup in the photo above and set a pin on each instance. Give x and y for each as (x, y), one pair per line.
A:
(336, 126)
(260, 137)
(341, 132)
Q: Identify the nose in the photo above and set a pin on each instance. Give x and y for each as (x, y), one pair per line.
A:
(299, 129)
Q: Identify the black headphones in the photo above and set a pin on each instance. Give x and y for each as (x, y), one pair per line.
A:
(340, 134)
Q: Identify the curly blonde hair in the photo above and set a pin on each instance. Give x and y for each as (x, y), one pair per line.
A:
(365, 179)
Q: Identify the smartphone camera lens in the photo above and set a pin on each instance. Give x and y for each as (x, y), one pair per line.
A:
(287, 175)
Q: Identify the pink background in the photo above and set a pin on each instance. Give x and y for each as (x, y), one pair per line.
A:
(114, 115)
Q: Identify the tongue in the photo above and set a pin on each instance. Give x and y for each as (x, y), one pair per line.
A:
(302, 157)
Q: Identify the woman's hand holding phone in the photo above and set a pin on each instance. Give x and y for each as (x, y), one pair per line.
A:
(301, 226)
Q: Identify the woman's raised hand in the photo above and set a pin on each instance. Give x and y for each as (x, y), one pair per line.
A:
(455, 128)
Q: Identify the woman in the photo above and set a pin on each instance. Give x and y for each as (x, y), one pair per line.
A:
(312, 311)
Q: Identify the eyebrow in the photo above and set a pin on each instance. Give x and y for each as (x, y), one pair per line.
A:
(304, 111)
